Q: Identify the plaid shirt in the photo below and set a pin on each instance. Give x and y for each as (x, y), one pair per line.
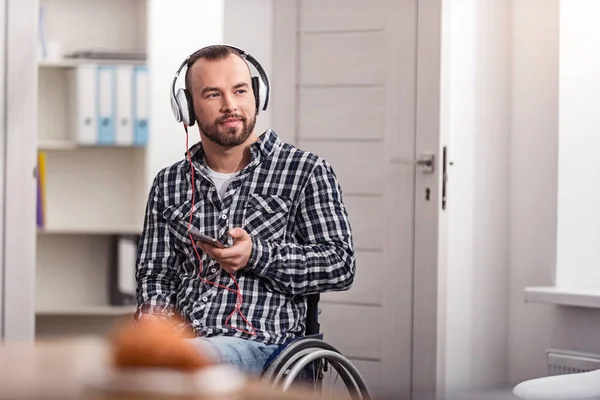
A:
(290, 203)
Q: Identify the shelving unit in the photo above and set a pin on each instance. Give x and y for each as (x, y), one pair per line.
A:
(93, 193)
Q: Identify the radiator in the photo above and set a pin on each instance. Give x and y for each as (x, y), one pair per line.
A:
(561, 362)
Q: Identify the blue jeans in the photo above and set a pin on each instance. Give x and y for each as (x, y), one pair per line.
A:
(247, 355)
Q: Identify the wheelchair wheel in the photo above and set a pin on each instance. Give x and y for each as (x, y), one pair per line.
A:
(307, 360)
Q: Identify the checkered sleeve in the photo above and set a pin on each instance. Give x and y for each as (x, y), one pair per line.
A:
(323, 259)
(157, 259)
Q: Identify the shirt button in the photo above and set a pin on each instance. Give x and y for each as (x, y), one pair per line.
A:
(223, 216)
(205, 299)
(268, 208)
(195, 322)
(213, 270)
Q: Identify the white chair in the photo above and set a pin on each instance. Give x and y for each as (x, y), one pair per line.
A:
(579, 386)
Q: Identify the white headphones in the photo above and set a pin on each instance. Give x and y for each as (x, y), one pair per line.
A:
(181, 99)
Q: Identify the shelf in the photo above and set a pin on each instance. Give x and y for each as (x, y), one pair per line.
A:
(56, 145)
(88, 311)
(93, 192)
(60, 144)
(576, 297)
(57, 63)
(71, 63)
(117, 230)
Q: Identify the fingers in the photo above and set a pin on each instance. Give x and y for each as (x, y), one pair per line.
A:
(218, 253)
(238, 234)
(232, 264)
(230, 259)
(233, 258)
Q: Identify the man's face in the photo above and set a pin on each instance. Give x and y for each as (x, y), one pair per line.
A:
(223, 100)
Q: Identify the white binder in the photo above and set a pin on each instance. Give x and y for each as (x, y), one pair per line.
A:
(141, 103)
(122, 289)
(82, 97)
(127, 257)
(124, 117)
(106, 103)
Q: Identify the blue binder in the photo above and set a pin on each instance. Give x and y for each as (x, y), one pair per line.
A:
(106, 104)
(141, 102)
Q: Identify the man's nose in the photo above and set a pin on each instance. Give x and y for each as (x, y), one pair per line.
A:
(229, 104)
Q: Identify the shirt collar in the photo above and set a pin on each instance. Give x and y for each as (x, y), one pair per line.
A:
(267, 142)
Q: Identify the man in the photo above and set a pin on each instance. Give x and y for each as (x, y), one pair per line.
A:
(279, 209)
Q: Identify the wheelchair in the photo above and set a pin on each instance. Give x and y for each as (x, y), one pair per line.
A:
(305, 360)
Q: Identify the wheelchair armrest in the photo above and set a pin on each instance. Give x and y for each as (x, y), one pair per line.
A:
(584, 385)
(313, 336)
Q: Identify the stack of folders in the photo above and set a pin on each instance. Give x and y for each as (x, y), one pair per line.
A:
(109, 104)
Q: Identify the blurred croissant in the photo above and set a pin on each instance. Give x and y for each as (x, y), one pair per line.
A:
(156, 342)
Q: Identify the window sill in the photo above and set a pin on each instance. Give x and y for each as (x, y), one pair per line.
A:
(575, 297)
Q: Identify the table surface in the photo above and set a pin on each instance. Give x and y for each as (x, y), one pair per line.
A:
(64, 368)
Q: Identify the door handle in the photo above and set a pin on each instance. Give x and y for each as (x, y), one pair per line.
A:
(426, 162)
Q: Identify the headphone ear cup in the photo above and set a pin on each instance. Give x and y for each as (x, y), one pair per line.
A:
(256, 91)
(176, 109)
(184, 102)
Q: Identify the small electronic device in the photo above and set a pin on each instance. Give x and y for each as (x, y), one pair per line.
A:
(201, 237)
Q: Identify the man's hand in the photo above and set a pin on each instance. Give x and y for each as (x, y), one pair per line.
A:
(234, 258)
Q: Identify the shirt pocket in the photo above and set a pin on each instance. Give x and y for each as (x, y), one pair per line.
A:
(177, 218)
(266, 216)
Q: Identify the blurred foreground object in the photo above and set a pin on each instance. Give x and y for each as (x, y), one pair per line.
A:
(156, 342)
(584, 385)
(118, 368)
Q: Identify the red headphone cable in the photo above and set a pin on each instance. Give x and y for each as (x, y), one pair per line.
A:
(239, 297)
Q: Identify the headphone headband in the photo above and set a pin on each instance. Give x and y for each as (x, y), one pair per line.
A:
(181, 100)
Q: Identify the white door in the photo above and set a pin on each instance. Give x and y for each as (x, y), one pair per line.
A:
(346, 87)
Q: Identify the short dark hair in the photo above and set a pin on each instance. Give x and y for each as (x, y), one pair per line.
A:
(210, 53)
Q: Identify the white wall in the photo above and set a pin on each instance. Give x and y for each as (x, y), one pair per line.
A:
(249, 25)
(533, 200)
(489, 337)
(578, 215)
(476, 123)
(174, 33)
(484, 332)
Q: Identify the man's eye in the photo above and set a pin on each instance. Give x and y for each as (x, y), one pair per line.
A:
(213, 95)
(241, 91)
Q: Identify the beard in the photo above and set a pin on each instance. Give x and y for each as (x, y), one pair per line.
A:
(228, 137)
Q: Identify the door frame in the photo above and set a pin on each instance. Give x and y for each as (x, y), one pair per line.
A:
(424, 358)
(18, 158)
(428, 214)
(3, 16)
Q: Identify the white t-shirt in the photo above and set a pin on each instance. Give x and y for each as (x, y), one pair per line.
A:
(221, 180)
